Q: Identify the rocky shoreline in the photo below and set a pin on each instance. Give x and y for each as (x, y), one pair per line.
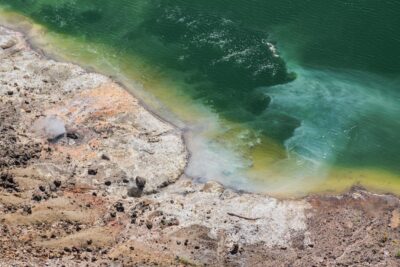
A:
(88, 177)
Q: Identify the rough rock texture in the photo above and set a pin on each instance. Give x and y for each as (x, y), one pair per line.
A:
(42, 99)
(88, 177)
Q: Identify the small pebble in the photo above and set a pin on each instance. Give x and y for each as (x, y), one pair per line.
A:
(57, 183)
(119, 207)
(92, 172)
(235, 249)
(105, 157)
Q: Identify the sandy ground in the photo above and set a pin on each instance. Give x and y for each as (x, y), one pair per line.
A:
(88, 177)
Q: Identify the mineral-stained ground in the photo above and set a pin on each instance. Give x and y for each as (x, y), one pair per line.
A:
(88, 177)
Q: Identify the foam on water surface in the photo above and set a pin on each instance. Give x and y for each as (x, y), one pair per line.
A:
(347, 119)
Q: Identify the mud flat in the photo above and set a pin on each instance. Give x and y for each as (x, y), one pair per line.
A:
(88, 177)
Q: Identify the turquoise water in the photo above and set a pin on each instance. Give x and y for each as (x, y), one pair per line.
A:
(321, 79)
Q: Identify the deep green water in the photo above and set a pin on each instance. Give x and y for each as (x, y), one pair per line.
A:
(322, 78)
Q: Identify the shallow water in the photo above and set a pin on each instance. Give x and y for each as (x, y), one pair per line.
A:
(285, 97)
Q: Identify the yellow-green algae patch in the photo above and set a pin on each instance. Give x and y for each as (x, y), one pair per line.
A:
(263, 156)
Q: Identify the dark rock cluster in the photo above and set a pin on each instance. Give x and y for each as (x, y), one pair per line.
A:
(7, 182)
(14, 152)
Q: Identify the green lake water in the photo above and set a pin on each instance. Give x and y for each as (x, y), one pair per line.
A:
(291, 96)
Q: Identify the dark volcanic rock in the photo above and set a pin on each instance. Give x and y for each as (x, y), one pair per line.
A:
(137, 191)
(119, 207)
(7, 182)
(72, 135)
(105, 157)
(13, 151)
(57, 183)
(134, 192)
(235, 249)
(27, 209)
(92, 172)
(37, 196)
(140, 182)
